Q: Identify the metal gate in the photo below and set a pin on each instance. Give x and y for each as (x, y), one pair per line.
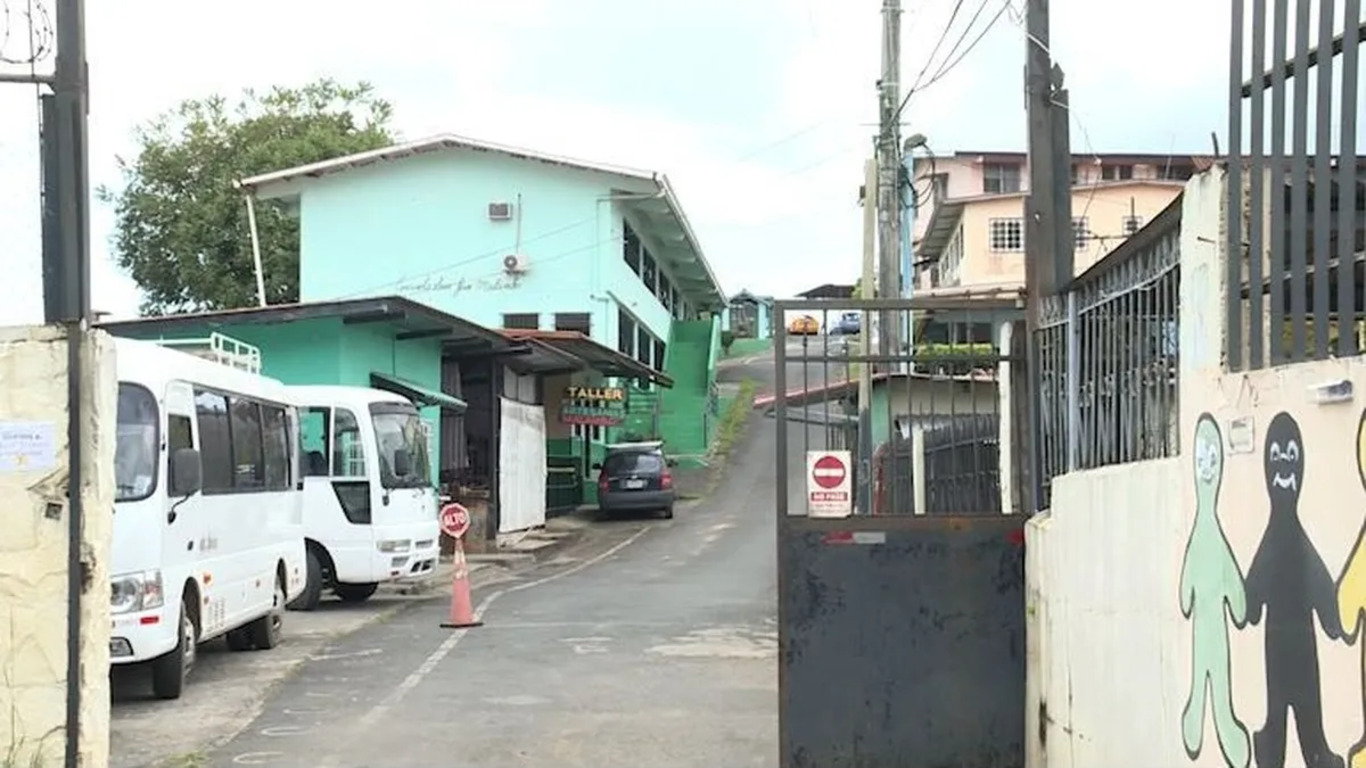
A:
(901, 626)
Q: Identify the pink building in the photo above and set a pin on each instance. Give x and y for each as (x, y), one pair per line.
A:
(970, 224)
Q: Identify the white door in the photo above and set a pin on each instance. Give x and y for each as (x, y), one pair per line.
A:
(521, 467)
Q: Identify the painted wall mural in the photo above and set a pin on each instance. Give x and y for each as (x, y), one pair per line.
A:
(1351, 600)
(1211, 595)
(1288, 592)
(1289, 581)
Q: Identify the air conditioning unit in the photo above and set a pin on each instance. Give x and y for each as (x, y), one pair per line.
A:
(514, 264)
(500, 211)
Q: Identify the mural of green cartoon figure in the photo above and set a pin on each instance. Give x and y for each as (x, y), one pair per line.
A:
(1211, 588)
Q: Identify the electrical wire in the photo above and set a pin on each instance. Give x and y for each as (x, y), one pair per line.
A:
(943, 35)
(950, 64)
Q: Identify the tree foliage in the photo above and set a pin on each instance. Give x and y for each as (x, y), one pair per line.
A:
(182, 231)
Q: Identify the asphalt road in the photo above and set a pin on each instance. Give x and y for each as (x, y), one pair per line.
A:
(652, 643)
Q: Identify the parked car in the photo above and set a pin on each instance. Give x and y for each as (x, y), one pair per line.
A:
(806, 325)
(636, 477)
(849, 324)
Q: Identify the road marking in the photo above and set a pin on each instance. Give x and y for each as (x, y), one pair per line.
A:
(256, 758)
(357, 654)
(426, 667)
(283, 730)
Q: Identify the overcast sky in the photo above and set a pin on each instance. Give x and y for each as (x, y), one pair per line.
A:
(759, 110)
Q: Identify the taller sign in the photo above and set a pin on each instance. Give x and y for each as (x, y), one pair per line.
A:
(593, 406)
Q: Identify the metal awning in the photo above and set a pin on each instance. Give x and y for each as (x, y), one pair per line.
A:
(406, 318)
(544, 360)
(604, 360)
(419, 394)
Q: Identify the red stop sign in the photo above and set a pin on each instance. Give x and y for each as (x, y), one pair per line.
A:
(455, 520)
(828, 472)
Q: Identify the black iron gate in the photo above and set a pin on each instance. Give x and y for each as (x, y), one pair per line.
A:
(901, 630)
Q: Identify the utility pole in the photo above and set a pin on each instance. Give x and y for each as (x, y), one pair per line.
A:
(1049, 237)
(864, 473)
(889, 177)
(65, 184)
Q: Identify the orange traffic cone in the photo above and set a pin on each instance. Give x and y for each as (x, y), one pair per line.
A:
(462, 610)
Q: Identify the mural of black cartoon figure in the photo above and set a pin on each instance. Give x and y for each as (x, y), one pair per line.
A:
(1288, 579)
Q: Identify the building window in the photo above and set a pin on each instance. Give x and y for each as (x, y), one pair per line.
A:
(659, 355)
(1132, 224)
(626, 334)
(631, 247)
(574, 321)
(647, 270)
(1007, 235)
(665, 292)
(939, 186)
(1175, 172)
(644, 346)
(1081, 233)
(522, 320)
(1117, 172)
(1000, 178)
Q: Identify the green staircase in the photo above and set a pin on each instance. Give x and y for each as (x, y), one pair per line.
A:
(688, 411)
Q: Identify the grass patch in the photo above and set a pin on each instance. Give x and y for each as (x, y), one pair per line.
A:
(188, 760)
(734, 418)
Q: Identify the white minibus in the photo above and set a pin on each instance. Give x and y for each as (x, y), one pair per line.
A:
(370, 502)
(208, 513)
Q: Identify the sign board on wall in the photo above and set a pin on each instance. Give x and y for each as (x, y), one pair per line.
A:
(828, 484)
(593, 406)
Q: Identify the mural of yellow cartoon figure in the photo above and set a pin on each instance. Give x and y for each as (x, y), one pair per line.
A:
(1352, 595)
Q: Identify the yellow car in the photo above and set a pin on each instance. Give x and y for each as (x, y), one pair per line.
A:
(805, 325)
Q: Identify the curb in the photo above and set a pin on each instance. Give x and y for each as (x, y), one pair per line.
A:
(485, 567)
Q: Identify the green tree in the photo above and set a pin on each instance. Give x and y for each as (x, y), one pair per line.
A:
(181, 229)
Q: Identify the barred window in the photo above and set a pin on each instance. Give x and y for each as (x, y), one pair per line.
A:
(1007, 235)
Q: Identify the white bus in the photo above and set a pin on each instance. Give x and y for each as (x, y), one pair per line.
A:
(208, 512)
(370, 503)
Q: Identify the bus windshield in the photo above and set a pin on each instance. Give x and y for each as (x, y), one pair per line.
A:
(135, 455)
(398, 429)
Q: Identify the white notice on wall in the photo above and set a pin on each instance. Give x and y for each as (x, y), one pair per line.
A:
(28, 446)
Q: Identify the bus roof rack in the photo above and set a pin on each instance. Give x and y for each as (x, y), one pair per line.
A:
(221, 349)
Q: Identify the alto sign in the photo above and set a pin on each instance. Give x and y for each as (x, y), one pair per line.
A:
(828, 485)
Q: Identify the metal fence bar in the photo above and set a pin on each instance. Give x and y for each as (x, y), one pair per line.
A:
(1323, 175)
(1309, 259)
(1233, 194)
(1348, 306)
(1257, 199)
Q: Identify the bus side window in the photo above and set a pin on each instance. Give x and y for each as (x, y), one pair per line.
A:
(215, 442)
(179, 434)
(314, 441)
(349, 457)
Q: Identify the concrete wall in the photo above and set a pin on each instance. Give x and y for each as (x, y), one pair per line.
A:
(33, 549)
(1106, 665)
(1209, 609)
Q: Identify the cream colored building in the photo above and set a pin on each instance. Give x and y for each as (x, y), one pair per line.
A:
(970, 225)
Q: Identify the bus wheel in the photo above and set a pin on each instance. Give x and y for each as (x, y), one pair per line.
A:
(355, 593)
(266, 631)
(169, 671)
(313, 585)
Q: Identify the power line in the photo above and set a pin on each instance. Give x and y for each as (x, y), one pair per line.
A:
(948, 65)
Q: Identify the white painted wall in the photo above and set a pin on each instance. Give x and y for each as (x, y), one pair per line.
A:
(1105, 658)
(33, 550)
